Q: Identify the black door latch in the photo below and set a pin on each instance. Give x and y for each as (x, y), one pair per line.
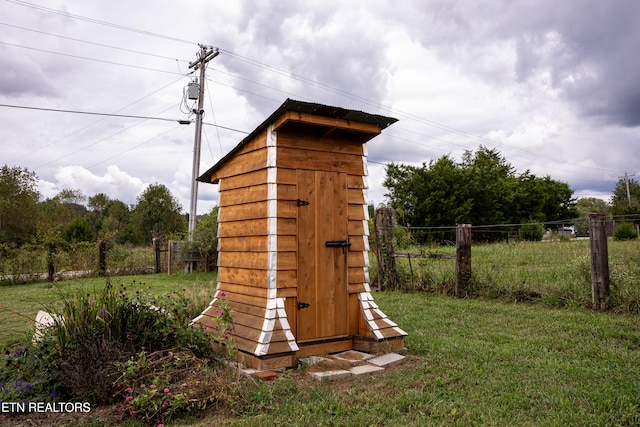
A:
(339, 244)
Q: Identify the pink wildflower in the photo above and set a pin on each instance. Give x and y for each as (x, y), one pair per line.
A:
(166, 390)
(222, 294)
(129, 398)
(142, 385)
(165, 404)
(128, 390)
(152, 386)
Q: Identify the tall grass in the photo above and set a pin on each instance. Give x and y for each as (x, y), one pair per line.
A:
(556, 273)
(35, 259)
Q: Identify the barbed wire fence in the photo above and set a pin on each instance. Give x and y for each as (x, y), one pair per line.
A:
(566, 266)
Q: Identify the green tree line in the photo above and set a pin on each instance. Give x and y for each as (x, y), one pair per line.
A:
(484, 189)
(28, 218)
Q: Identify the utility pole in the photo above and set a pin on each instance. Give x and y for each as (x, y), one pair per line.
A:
(626, 180)
(205, 55)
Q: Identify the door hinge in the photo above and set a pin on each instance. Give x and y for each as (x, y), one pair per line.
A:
(301, 202)
(302, 305)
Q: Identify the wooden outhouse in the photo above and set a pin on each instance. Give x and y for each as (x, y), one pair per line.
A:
(293, 238)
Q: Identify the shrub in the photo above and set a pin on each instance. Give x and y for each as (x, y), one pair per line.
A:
(532, 232)
(77, 356)
(625, 231)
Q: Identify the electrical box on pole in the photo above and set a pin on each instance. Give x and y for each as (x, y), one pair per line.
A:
(193, 90)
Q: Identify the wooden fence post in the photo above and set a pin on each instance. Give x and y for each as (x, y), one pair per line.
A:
(102, 258)
(156, 255)
(463, 259)
(385, 219)
(599, 261)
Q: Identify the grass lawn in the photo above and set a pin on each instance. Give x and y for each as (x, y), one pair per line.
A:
(470, 362)
(474, 362)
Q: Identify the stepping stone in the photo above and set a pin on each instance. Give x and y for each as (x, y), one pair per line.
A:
(387, 360)
(330, 375)
(352, 356)
(365, 369)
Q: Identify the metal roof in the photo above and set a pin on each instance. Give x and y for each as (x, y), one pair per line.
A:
(303, 107)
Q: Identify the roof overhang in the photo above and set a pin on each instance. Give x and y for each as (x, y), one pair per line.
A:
(327, 117)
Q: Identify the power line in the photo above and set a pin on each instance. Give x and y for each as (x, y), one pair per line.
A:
(103, 61)
(94, 122)
(99, 22)
(93, 113)
(91, 43)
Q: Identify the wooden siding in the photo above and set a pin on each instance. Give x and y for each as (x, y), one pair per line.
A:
(263, 288)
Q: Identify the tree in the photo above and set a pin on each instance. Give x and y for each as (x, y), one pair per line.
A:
(97, 205)
(205, 238)
(78, 230)
(18, 203)
(623, 205)
(157, 214)
(586, 206)
(56, 213)
(116, 222)
(489, 179)
(483, 189)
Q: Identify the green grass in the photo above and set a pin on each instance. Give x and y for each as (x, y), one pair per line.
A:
(556, 273)
(19, 304)
(475, 362)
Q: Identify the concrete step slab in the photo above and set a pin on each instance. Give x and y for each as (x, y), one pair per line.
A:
(352, 356)
(330, 375)
(387, 360)
(365, 369)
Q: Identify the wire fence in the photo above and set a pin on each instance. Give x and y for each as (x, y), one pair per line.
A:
(557, 269)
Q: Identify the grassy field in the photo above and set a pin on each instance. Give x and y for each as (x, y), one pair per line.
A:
(556, 273)
(509, 361)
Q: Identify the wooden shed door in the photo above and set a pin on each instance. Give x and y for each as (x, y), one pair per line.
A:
(322, 270)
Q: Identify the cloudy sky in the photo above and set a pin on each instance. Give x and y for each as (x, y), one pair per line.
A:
(552, 85)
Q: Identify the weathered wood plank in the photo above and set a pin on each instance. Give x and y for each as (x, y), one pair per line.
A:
(356, 212)
(356, 228)
(356, 275)
(257, 260)
(287, 209)
(245, 180)
(356, 259)
(356, 182)
(257, 227)
(354, 313)
(256, 193)
(248, 244)
(254, 210)
(241, 164)
(287, 192)
(320, 161)
(286, 176)
(355, 196)
(241, 289)
(355, 288)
